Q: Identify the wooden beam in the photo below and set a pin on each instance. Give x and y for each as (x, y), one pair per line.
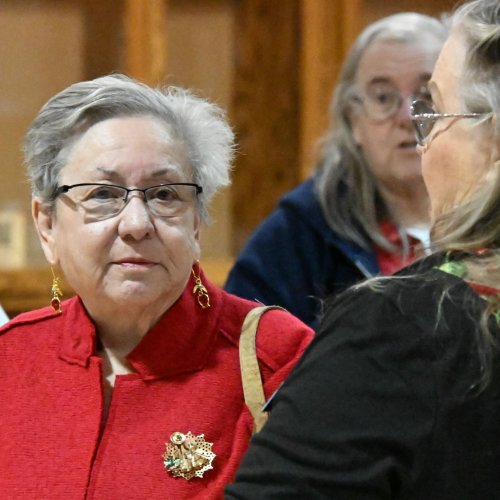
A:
(265, 109)
(102, 37)
(145, 35)
(287, 59)
(322, 52)
(354, 20)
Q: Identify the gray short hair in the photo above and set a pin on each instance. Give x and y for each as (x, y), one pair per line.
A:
(200, 126)
(476, 223)
(346, 189)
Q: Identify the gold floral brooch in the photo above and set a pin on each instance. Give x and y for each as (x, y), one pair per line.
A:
(188, 455)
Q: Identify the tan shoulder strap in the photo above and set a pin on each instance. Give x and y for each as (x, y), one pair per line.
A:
(250, 372)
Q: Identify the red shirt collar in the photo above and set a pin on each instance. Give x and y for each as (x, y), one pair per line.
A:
(391, 262)
(179, 343)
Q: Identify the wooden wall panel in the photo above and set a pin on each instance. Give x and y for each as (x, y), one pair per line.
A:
(265, 108)
(325, 39)
(103, 49)
(145, 40)
(371, 10)
(41, 52)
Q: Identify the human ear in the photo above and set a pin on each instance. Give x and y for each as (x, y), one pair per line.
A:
(44, 220)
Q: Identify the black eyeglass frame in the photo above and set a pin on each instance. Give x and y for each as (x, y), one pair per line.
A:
(66, 187)
(419, 119)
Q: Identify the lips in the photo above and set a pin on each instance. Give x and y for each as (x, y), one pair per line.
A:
(135, 261)
(408, 144)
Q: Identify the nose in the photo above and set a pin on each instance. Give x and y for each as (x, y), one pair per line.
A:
(404, 111)
(135, 219)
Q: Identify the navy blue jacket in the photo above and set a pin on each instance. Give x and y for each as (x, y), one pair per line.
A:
(293, 259)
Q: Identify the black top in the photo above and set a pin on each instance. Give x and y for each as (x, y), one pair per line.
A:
(385, 402)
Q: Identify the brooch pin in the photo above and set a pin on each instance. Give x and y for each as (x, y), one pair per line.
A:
(188, 455)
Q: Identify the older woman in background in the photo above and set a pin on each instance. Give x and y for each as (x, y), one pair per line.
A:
(399, 394)
(131, 389)
(366, 206)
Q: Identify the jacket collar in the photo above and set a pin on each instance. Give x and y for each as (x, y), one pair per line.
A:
(179, 343)
(303, 202)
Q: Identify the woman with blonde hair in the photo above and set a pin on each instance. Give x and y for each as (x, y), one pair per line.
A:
(399, 394)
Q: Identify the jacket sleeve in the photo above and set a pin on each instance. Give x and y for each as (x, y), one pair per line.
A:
(284, 263)
(353, 420)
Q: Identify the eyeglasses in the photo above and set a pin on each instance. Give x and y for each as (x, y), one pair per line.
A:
(381, 101)
(424, 118)
(103, 201)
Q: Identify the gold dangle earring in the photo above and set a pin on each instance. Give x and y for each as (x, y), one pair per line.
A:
(55, 302)
(200, 291)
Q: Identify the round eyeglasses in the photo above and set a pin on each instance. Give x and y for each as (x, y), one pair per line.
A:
(381, 101)
(424, 118)
(103, 201)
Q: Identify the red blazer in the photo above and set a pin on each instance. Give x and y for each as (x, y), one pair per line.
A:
(53, 443)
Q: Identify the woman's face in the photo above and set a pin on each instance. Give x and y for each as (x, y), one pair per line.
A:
(133, 259)
(458, 151)
(388, 144)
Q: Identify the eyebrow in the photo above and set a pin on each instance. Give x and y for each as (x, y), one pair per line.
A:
(423, 78)
(112, 174)
(378, 79)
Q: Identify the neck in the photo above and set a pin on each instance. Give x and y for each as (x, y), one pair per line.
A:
(121, 336)
(408, 206)
(113, 364)
(119, 333)
(120, 326)
(117, 341)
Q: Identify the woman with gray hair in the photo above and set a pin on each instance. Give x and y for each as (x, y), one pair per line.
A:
(132, 388)
(399, 393)
(366, 207)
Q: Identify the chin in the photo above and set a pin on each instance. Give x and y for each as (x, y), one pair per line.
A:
(412, 164)
(132, 293)
(411, 169)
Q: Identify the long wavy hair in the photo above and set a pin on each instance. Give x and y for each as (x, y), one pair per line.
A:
(471, 230)
(475, 223)
(346, 188)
